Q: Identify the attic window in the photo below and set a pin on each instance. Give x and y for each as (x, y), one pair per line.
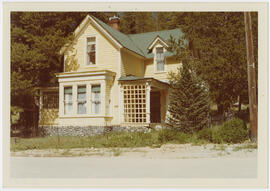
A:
(91, 51)
(160, 59)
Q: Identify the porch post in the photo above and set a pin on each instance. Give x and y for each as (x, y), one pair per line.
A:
(148, 89)
(61, 99)
(121, 105)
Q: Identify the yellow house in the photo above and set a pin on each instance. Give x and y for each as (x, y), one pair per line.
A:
(110, 79)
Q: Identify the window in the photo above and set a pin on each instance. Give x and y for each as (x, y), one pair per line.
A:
(160, 59)
(68, 100)
(91, 51)
(95, 99)
(81, 99)
(50, 100)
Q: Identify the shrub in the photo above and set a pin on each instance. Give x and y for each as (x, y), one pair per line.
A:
(205, 134)
(232, 131)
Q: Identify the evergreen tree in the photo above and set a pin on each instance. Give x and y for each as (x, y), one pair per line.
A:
(189, 95)
(137, 22)
(220, 39)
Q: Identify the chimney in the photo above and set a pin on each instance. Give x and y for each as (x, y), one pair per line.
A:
(115, 22)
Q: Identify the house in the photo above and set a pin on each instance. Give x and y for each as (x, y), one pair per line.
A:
(110, 79)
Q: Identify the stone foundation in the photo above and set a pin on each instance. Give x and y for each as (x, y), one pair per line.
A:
(87, 130)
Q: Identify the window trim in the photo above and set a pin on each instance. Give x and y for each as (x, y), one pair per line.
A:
(89, 112)
(155, 61)
(92, 101)
(64, 101)
(77, 102)
(85, 50)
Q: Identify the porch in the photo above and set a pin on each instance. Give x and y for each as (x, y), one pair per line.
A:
(143, 101)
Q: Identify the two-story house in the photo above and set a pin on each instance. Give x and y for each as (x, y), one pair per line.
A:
(110, 78)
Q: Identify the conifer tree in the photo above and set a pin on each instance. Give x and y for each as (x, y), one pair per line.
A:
(189, 96)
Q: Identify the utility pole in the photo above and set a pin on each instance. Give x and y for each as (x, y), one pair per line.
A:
(253, 109)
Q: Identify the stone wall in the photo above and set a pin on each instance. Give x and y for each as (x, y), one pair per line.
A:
(53, 130)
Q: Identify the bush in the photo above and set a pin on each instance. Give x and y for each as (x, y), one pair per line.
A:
(205, 134)
(232, 131)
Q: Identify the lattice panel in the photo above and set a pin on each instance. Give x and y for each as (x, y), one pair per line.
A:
(134, 103)
(50, 100)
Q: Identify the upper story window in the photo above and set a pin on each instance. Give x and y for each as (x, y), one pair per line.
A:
(91, 51)
(160, 60)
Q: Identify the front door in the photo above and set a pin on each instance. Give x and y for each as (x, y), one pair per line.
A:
(155, 107)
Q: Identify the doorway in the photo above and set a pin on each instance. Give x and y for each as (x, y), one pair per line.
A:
(155, 115)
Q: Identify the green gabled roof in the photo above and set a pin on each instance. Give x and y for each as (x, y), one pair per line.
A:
(143, 40)
(138, 43)
(123, 39)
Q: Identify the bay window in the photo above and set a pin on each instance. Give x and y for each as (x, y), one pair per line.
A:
(68, 100)
(81, 99)
(95, 99)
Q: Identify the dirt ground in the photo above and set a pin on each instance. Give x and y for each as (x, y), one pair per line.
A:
(167, 151)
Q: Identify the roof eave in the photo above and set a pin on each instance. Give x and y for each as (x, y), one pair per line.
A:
(80, 28)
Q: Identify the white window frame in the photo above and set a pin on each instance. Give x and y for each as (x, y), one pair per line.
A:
(155, 61)
(64, 100)
(85, 51)
(92, 100)
(77, 101)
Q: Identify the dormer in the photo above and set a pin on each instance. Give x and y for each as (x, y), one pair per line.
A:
(158, 47)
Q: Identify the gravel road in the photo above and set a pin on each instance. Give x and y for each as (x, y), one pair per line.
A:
(126, 167)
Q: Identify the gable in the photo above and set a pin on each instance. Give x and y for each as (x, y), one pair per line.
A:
(157, 40)
(83, 25)
(137, 43)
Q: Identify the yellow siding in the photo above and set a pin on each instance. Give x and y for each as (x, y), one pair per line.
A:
(171, 65)
(107, 55)
(131, 64)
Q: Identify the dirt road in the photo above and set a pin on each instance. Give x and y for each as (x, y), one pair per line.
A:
(122, 167)
(168, 161)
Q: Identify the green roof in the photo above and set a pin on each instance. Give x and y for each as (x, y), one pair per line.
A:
(138, 43)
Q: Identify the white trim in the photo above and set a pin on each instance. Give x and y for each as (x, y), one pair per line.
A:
(85, 50)
(74, 98)
(105, 32)
(84, 78)
(121, 98)
(88, 73)
(84, 116)
(148, 90)
(119, 64)
(157, 40)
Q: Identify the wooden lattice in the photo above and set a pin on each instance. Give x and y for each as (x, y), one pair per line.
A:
(50, 100)
(134, 103)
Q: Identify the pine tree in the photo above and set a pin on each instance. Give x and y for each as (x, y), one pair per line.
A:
(189, 95)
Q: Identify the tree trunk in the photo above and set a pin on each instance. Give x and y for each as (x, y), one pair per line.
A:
(220, 108)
